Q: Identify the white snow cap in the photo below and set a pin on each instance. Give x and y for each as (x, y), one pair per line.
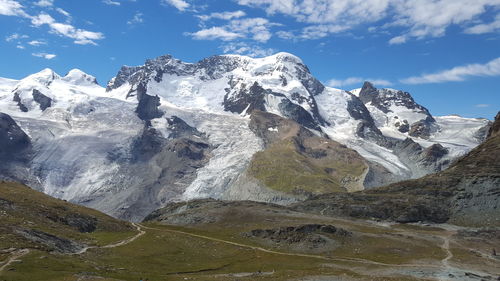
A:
(78, 77)
(44, 76)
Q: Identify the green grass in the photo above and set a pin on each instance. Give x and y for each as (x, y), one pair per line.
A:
(282, 167)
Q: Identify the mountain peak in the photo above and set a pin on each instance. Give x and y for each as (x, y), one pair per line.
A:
(368, 87)
(78, 77)
(45, 75)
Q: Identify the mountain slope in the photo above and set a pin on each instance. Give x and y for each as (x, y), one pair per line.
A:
(170, 130)
(33, 220)
(467, 193)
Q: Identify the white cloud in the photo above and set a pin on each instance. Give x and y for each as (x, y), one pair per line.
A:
(485, 27)
(15, 36)
(326, 16)
(44, 55)
(339, 83)
(80, 36)
(20, 47)
(223, 15)
(459, 73)
(398, 40)
(180, 5)
(63, 12)
(215, 33)
(241, 48)
(482, 105)
(12, 8)
(111, 2)
(421, 18)
(37, 43)
(257, 29)
(138, 18)
(45, 3)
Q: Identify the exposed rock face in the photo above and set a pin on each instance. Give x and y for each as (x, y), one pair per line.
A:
(495, 127)
(44, 101)
(16, 151)
(247, 99)
(178, 128)
(20, 104)
(147, 108)
(421, 129)
(422, 160)
(295, 234)
(15, 145)
(52, 242)
(366, 128)
(309, 235)
(298, 114)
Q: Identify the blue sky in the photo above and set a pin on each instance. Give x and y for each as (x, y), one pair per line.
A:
(445, 52)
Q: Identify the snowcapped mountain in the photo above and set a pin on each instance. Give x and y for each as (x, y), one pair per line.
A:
(170, 130)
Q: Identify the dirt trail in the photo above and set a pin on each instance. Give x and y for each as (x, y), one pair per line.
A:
(118, 244)
(356, 260)
(14, 258)
(446, 247)
(127, 241)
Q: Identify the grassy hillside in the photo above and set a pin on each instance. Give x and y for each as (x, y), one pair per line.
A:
(31, 219)
(296, 161)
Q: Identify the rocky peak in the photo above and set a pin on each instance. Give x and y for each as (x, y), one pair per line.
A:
(383, 99)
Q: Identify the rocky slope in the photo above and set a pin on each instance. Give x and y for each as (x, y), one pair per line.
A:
(170, 130)
(467, 193)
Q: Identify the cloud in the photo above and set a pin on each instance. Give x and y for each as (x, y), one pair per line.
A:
(223, 15)
(15, 36)
(459, 73)
(80, 36)
(398, 40)
(37, 43)
(482, 105)
(257, 29)
(111, 2)
(420, 18)
(45, 3)
(63, 12)
(241, 48)
(324, 17)
(12, 8)
(138, 18)
(44, 55)
(336, 83)
(485, 27)
(215, 33)
(180, 5)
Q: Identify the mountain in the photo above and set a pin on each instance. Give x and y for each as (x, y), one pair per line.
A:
(467, 193)
(226, 127)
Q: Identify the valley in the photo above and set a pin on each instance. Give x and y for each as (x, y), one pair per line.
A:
(220, 249)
